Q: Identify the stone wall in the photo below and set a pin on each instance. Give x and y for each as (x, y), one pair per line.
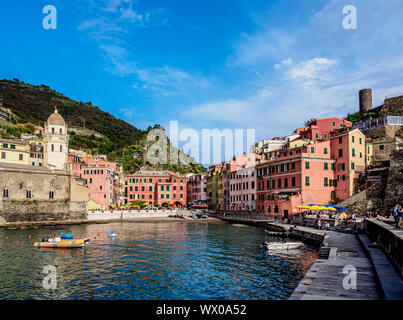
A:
(389, 239)
(394, 188)
(69, 200)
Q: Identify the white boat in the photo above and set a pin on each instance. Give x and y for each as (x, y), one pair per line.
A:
(112, 234)
(283, 245)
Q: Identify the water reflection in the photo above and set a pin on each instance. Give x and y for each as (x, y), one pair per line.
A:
(165, 260)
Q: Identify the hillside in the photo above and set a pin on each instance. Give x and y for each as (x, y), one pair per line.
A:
(91, 129)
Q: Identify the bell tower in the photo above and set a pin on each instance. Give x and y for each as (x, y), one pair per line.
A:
(55, 142)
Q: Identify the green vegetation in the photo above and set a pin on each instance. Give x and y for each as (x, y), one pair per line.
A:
(120, 141)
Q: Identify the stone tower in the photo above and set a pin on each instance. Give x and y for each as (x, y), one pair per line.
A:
(365, 100)
(55, 141)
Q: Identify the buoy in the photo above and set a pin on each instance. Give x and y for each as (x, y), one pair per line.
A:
(7, 237)
(18, 241)
(29, 237)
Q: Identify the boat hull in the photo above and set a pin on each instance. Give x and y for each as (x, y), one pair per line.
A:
(284, 246)
(72, 243)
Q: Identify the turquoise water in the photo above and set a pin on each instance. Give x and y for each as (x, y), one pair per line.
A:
(162, 260)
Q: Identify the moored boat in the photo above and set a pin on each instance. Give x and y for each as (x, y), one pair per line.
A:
(283, 245)
(112, 234)
(61, 243)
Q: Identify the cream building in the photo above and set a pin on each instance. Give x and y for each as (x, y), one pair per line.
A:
(55, 141)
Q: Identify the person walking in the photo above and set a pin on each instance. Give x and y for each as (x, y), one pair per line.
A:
(396, 215)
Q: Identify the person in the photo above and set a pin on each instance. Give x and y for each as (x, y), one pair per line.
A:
(319, 224)
(396, 215)
(353, 217)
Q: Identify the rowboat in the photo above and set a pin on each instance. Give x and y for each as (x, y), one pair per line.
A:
(62, 243)
(283, 245)
(112, 234)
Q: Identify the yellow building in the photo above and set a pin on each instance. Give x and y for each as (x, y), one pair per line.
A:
(16, 152)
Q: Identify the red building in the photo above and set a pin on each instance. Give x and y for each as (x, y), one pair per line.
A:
(157, 188)
(320, 129)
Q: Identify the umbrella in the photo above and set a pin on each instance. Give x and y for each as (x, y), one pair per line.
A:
(303, 207)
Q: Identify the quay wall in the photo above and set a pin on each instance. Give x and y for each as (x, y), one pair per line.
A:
(126, 215)
(389, 239)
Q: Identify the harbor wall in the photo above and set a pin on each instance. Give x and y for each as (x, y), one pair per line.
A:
(389, 239)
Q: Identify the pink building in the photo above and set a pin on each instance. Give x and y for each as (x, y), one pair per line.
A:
(242, 189)
(197, 189)
(320, 129)
(103, 178)
(316, 173)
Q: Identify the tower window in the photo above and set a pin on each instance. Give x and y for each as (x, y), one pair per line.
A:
(53, 147)
(61, 148)
(51, 194)
(5, 193)
(28, 194)
(61, 130)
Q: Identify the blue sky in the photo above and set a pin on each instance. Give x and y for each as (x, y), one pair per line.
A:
(268, 65)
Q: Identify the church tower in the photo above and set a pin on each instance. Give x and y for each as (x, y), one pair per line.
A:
(55, 141)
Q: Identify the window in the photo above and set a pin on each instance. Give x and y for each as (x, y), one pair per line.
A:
(360, 140)
(306, 165)
(61, 148)
(307, 181)
(51, 194)
(5, 193)
(341, 125)
(21, 157)
(340, 140)
(353, 152)
(352, 138)
(12, 146)
(52, 147)
(279, 183)
(352, 165)
(326, 182)
(53, 130)
(325, 135)
(286, 183)
(333, 123)
(312, 150)
(60, 130)
(340, 152)
(333, 167)
(293, 181)
(5, 145)
(28, 194)
(150, 188)
(90, 180)
(326, 166)
(3, 155)
(100, 187)
(381, 147)
(325, 151)
(317, 135)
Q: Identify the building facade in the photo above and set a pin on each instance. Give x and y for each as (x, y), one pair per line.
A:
(157, 188)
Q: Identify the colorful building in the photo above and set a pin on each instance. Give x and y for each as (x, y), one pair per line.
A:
(242, 189)
(157, 188)
(104, 179)
(314, 173)
(197, 189)
(321, 129)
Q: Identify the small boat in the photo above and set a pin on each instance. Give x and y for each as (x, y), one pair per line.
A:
(283, 245)
(61, 243)
(276, 233)
(112, 234)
